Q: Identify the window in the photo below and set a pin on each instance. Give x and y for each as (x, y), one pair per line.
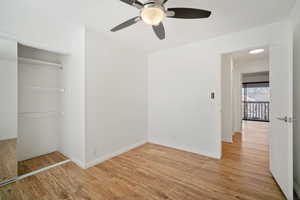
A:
(256, 101)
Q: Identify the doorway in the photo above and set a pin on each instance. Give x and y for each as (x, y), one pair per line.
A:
(245, 91)
(246, 105)
(281, 106)
(255, 110)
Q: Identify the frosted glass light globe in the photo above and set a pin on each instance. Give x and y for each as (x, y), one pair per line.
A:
(152, 15)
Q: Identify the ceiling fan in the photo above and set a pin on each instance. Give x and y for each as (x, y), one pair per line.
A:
(153, 12)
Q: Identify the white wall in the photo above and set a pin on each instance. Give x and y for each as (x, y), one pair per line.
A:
(256, 78)
(180, 80)
(116, 98)
(8, 89)
(297, 108)
(295, 15)
(181, 114)
(72, 140)
(252, 66)
(244, 67)
(226, 97)
(24, 22)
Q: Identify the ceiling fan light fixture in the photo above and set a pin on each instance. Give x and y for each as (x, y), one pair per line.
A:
(153, 12)
(152, 15)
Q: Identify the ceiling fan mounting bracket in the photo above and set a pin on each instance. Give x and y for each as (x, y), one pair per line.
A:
(151, 2)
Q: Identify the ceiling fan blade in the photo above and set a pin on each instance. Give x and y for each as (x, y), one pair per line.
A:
(134, 3)
(126, 24)
(159, 30)
(187, 13)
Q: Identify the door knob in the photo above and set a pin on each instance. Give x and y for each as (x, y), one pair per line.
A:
(287, 119)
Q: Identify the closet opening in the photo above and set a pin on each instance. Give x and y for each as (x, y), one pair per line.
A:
(41, 92)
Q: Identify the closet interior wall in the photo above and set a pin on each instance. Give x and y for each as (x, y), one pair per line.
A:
(40, 97)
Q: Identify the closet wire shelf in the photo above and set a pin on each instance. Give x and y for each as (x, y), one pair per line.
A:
(39, 62)
(44, 88)
(40, 114)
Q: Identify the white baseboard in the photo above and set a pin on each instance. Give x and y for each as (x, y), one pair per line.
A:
(297, 189)
(227, 140)
(208, 154)
(78, 162)
(74, 160)
(116, 153)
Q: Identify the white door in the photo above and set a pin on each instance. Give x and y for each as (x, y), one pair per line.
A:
(281, 126)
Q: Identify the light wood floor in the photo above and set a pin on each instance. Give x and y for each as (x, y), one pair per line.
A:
(8, 159)
(157, 172)
(39, 162)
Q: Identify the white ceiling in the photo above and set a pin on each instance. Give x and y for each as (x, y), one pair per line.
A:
(101, 15)
(244, 55)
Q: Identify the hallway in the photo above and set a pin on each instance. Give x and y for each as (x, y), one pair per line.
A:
(255, 136)
(248, 155)
(252, 145)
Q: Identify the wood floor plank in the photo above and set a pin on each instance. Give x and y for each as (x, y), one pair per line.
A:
(154, 172)
(8, 159)
(39, 162)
